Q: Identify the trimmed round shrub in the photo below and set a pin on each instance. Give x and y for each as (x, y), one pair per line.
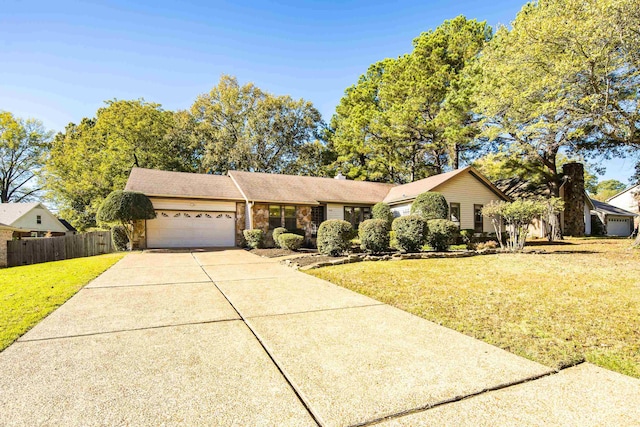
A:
(254, 238)
(374, 235)
(430, 205)
(290, 241)
(119, 237)
(441, 234)
(277, 232)
(410, 233)
(382, 211)
(333, 237)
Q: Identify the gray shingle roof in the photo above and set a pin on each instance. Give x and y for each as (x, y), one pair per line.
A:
(267, 187)
(181, 184)
(608, 209)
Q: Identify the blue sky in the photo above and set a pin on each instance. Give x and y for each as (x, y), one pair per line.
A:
(61, 59)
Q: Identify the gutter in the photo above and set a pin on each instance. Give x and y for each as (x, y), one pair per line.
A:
(249, 204)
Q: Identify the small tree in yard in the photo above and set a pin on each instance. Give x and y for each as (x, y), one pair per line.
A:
(430, 205)
(441, 234)
(516, 216)
(126, 207)
(382, 211)
(374, 235)
(410, 233)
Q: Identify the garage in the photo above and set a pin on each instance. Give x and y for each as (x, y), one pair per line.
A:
(185, 229)
(618, 226)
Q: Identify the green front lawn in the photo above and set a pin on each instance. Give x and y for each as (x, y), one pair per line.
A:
(581, 302)
(31, 292)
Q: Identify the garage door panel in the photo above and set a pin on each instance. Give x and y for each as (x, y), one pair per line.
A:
(173, 229)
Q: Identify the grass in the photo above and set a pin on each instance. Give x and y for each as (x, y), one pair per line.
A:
(580, 301)
(29, 293)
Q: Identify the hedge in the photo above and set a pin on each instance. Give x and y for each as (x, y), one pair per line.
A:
(254, 238)
(277, 232)
(290, 241)
(374, 235)
(333, 237)
(430, 205)
(410, 233)
(441, 233)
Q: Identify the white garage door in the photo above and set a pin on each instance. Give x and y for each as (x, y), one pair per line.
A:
(618, 226)
(185, 229)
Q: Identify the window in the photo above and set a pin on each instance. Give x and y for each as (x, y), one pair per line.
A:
(282, 216)
(275, 216)
(478, 223)
(290, 218)
(317, 218)
(454, 213)
(356, 214)
(38, 219)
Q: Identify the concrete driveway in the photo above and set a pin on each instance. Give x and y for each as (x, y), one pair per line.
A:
(229, 338)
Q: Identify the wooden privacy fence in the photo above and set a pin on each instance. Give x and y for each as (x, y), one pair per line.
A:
(34, 251)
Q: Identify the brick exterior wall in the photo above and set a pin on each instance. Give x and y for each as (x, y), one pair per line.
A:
(5, 235)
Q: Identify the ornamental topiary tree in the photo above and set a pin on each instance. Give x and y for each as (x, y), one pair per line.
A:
(410, 233)
(126, 207)
(430, 205)
(441, 234)
(276, 234)
(334, 236)
(382, 211)
(374, 235)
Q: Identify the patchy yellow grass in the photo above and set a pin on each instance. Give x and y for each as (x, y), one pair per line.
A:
(579, 302)
(29, 293)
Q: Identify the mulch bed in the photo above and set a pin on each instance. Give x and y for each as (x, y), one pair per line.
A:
(273, 252)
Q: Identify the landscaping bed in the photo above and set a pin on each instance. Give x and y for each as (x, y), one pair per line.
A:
(557, 304)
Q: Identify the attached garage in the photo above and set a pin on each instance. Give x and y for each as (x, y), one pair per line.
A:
(187, 229)
(619, 226)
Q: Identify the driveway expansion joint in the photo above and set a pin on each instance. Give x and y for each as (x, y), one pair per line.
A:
(454, 399)
(314, 311)
(295, 390)
(146, 284)
(62, 337)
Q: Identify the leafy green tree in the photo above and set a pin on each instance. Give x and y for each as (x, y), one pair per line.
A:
(563, 79)
(410, 117)
(245, 128)
(93, 158)
(515, 217)
(23, 148)
(607, 188)
(126, 207)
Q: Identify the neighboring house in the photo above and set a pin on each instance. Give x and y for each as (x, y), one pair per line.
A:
(71, 230)
(626, 200)
(6, 234)
(34, 220)
(616, 221)
(213, 210)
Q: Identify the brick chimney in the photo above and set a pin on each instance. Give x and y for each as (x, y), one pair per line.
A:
(574, 199)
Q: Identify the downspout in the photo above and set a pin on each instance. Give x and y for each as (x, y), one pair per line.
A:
(249, 208)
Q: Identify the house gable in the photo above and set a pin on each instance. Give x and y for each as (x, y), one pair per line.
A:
(47, 221)
(626, 199)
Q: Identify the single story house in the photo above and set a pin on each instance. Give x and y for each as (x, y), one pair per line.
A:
(616, 221)
(212, 210)
(626, 200)
(32, 220)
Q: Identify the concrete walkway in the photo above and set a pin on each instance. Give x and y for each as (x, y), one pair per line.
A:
(228, 338)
